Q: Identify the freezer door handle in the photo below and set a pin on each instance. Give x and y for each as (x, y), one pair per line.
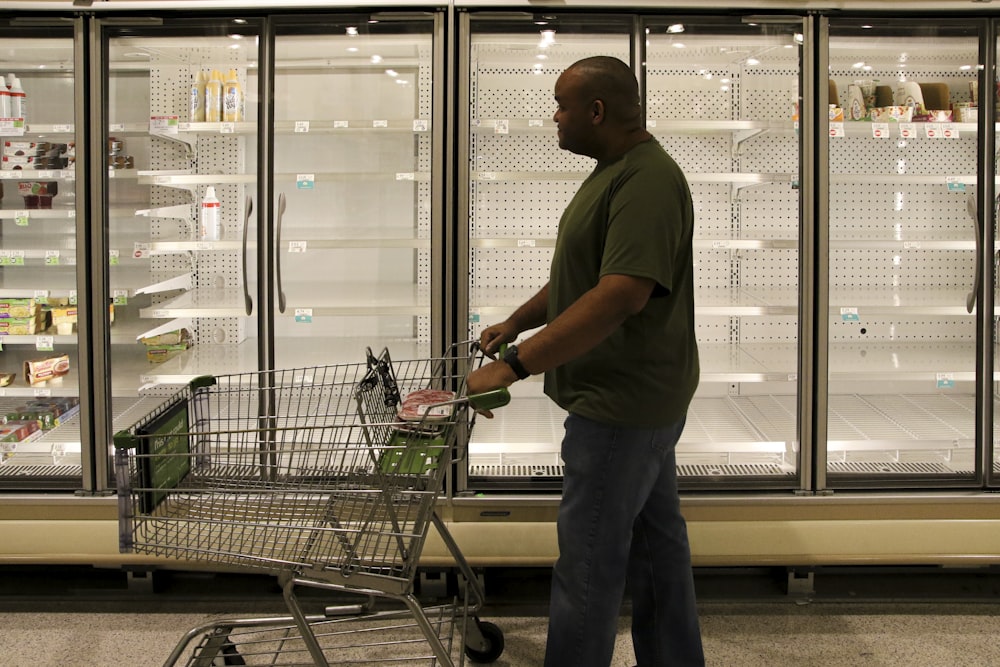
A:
(247, 301)
(277, 253)
(970, 298)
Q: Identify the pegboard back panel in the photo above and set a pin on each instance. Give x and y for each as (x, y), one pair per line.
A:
(699, 153)
(880, 269)
(770, 329)
(497, 267)
(902, 157)
(905, 329)
(512, 152)
(874, 211)
(769, 212)
(500, 209)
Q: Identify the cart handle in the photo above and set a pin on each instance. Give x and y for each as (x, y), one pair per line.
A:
(489, 400)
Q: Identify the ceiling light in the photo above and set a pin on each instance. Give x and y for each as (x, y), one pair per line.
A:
(675, 28)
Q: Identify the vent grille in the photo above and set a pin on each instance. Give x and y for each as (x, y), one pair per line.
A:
(47, 471)
(733, 470)
(889, 468)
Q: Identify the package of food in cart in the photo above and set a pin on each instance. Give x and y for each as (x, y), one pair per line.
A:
(425, 404)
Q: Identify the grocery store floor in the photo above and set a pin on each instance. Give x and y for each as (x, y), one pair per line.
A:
(912, 617)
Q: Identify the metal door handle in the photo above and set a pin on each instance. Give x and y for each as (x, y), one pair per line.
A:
(970, 298)
(277, 252)
(247, 301)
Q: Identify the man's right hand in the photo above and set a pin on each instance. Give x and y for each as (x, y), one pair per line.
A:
(496, 335)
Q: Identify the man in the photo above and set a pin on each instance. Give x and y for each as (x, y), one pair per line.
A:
(619, 354)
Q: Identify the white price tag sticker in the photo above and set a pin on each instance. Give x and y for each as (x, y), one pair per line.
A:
(43, 393)
(502, 126)
(340, 124)
(650, 123)
(487, 176)
(227, 128)
(44, 343)
(120, 297)
(720, 244)
(908, 130)
(911, 245)
(41, 296)
(526, 243)
(950, 131)
(932, 130)
(11, 127)
(297, 246)
(140, 250)
(51, 258)
(116, 127)
(405, 176)
(160, 314)
(380, 123)
(21, 218)
(880, 130)
(164, 124)
(65, 127)
(837, 130)
(303, 315)
(302, 126)
(421, 125)
(536, 122)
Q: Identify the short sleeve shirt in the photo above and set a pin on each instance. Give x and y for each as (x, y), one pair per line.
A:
(631, 217)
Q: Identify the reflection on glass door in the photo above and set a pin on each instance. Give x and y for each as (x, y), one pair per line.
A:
(182, 173)
(355, 175)
(902, 230)
(519, 181)
(722, 97)
(40, 437)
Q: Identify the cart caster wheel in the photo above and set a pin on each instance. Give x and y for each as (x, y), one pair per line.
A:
(230, 656)
(494, 643)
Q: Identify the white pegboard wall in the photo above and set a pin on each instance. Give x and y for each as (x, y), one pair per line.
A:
(500, 210)
(492, 267)
(871, 268)
(171, 75)
(916, 157)
(903, 329)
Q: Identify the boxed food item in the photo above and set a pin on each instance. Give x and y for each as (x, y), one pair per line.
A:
(25, 307)
(63, 317)
(38, 194)
(20, 431)
(934, 116)
(37, 371)
(47, 413)
(20, 326)
(893, 114)
(836, 114)
(163, 346)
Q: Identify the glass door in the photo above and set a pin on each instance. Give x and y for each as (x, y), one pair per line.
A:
(358, 158)
(40, 359)
(902, 269)
(722, 96)
(516, 183)
(181, 165)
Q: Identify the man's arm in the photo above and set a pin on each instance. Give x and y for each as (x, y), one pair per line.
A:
(577, 330)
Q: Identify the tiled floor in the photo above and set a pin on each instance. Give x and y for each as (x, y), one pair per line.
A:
(944, 622)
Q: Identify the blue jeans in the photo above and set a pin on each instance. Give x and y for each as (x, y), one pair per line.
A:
(620, 519)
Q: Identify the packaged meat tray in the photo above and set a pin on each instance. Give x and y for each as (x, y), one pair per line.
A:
(415, 405)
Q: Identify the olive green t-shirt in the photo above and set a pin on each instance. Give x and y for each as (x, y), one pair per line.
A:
(631, 217)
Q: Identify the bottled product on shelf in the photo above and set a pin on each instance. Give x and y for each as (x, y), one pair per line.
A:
(211, 224)
(232, 98)
(4, 99)
(197, 107)
(18, 98)
(213, 97)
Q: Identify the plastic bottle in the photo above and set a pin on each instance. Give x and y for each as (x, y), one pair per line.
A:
(211, 209)
(197, 109)
(232, 98)
(213, 97)
(18, 107)
(4, 99)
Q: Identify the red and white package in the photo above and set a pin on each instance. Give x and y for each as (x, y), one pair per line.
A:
(416, 405)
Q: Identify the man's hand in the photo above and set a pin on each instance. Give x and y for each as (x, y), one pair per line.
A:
(496, 335)
(486, 378)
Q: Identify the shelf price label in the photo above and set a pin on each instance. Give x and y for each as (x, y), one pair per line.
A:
(949, 131)
(41, 296)
(380, 123)
(21, 218)
(44, 343)
(880, 130)
(12, 127)
(51, 258)
(11, 258)
(228, 127)
(955, 184)
(297, 246)
(302, 126)
(405, 176)
(304, 315)
(536, 122)
(120, 297)
(933, 130)
(140, 250)
(421, 125)
(305, 181)
(474, 316)
(113, 257)
(164, 124)
(849, 314)
(526, 243)
(945, 380)
(72, 297)
(341, 124)
(908, 130)
(502, 126)
(837, 130)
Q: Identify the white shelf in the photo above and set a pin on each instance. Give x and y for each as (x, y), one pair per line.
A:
(356, 298)
(207, 302)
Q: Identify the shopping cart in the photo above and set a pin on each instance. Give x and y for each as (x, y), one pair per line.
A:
(327, 477)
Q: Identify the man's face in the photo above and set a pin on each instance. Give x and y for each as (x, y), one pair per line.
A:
(574, 114)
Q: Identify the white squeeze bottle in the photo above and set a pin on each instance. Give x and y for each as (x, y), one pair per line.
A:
(232, 98)
(197, 109)
(211, 223)
(18, 99)
(4, 99)
(213, 97)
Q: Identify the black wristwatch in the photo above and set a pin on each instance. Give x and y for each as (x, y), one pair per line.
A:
(510, 358)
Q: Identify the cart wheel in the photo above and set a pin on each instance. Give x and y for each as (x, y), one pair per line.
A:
(493, 636)
(230, 656)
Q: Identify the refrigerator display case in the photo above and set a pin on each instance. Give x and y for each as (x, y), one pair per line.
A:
(42, 443)
(721, 96)
(904, 235)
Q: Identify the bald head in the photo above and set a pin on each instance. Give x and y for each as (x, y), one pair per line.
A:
(610, 80)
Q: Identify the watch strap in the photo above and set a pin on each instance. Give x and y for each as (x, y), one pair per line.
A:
(510, 358)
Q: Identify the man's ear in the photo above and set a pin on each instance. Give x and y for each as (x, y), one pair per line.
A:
(597, 111)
